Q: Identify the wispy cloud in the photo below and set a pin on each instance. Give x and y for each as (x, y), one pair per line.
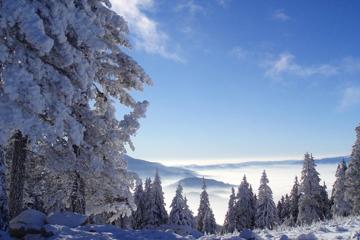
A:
(285, 64)
(280, 15)
(223, 3)
(191, 7)
(148, 35)
(239, 53)
(350, 98)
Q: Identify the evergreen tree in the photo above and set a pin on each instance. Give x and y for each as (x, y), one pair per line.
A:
(178, 214)
(159, 213)
(280, 206)
(309, 205)
(266, 213)
(230, 218)
(244, 206)
(340, 204)
(287, 208)
(253, 206)
(63, 69)
(149, 203)
(4, 214)
(353, 176)
(139, 215)
(205, 218)
(189, 216)
(294, 202)
(325, 204)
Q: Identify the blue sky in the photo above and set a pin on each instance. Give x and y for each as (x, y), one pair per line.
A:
(239, 80)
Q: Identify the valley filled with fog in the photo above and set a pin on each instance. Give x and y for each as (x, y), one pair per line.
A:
(281, 176)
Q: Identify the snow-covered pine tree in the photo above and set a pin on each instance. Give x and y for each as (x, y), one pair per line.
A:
(178, 214)
(309, 205)
(325, 204)
(160, 215)
(294, 202)
(4, 214)
(341, 205)
(353, 176)
(149, 203)
(253, 205)
(138, 216)
(266, 212)
(205, 218)
(230, 217)
(280, 206)
(244, 206)
(286, 208)
(189, 216)
(67, 57)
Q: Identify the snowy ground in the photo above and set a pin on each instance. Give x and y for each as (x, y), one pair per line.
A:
(342, 228)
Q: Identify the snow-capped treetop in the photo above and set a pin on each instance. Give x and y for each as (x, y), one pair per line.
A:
(310, 208)
(205, 218)
(230, 218)
(310, 180)
(266, 213)
(180, 214)
(353, 175)
(159, 214)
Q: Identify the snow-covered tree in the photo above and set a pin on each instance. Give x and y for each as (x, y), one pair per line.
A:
(294, 202)
(178, 214)
(309, 205)
(244, 206)
(253, 205)
(62, 71)
(280, 206)
(159, 214)
(230, 218)
(149, 203)
(325, 204)
(353, 176)
(341, 205)
(138, 215)
(189, 215)
(205, 217)
(266, 212)
(4, 214)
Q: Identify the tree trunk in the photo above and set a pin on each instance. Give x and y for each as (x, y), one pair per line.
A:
(78, 203)
(78, 194)
(17, 173)
(4, 211)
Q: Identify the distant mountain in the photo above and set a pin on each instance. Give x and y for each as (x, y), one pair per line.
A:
(196, 182)
(333, 160)
(147, 169)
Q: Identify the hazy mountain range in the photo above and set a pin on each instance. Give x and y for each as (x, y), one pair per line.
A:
(332, 160)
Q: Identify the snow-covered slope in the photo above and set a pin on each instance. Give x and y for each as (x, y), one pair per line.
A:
(340, 228)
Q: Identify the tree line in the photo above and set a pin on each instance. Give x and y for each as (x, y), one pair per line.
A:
(307, 202)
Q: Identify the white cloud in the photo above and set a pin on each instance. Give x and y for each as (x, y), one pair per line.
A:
(223, 3)
(280, 15)
(239, 53)
(285, 64)
(191, 7)
(350, 98)
(148, 36)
